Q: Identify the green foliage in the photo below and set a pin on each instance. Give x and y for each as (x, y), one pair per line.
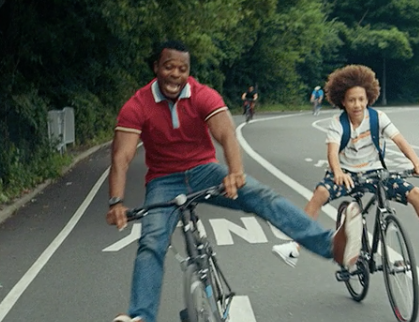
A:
(391, 43)
(382, 34)
(91, 115)
(19, 173)
(93, 55)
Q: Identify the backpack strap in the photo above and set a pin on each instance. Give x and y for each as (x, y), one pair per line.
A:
(375, 135)
(346, 135)
(374, 128)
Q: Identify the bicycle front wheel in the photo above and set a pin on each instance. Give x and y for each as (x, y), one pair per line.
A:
(400, 272)
(248, 115)
(358, 280)
(197, 298)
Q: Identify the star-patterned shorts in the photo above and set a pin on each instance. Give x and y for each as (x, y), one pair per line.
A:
(397, 188)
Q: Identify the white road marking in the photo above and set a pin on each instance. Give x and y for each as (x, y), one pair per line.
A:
(322, 164)
(241, 310)
(252, 232)
(125, 241)
(279, 234)
(15, 293)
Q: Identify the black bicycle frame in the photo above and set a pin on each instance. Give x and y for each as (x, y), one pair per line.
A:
(191, 248)
(196, 243)
(198, 248)
(382, 207)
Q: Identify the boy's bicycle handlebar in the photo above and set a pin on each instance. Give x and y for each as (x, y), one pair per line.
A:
(384, 174)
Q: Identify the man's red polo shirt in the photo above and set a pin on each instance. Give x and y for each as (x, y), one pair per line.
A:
(175, 135)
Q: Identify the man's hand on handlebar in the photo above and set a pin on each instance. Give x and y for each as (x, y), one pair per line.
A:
(232, 182)
(117, 216)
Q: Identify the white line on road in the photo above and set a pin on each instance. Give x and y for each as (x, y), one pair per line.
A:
(132, 237)
(241, 310)
(15, 293)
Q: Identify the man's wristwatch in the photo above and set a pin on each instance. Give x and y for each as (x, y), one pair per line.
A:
(114, 201)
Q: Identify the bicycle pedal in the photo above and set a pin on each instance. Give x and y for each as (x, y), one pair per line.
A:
(183, 315)
(342, 275)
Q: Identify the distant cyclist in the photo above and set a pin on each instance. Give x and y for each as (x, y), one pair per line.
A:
(249, 99)
(317, 98)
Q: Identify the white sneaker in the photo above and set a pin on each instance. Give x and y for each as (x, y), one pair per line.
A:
(288, 252)
(125, 318)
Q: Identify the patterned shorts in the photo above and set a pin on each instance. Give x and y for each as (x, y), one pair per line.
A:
(397, 188)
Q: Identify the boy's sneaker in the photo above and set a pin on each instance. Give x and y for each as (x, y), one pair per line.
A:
(126, 318)
(289, 252)
(347, 240)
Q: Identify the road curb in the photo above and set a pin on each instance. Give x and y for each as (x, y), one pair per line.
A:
(10, 209)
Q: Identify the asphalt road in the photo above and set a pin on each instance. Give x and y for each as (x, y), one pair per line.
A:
(59, 261)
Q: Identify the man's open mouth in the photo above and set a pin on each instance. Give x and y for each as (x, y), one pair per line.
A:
(172, 88)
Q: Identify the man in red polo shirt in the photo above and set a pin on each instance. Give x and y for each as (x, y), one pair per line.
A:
(173, 127)
(174, 116)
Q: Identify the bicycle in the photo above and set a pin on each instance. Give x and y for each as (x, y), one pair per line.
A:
(395, 261)
(248, 110)
(207, 294)
(316, 107)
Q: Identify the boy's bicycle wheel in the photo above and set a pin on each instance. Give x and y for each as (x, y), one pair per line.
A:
(249, 113)
(248, 116)
(400, 272)
(358, 277)
(197, 300)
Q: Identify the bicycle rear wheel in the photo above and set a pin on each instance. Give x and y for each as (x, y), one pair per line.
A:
(248, 115)
(400, 272)
(197, 298)
(357, 279)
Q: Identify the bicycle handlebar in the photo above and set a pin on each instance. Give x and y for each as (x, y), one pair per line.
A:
(384, 174)
(178, 201)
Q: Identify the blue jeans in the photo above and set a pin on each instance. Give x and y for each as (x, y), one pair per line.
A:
(159, 225)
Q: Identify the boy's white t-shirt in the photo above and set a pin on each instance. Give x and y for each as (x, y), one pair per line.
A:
(360, 154)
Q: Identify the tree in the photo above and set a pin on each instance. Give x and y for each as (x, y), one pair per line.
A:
(388, 45)
(384, 35)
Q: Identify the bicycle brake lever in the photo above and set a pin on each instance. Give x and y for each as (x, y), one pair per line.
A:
(410, 173)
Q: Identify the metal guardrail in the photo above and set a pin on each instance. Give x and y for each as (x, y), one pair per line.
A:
(61, 128)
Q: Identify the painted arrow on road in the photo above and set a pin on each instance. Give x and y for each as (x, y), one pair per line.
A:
(132, 237)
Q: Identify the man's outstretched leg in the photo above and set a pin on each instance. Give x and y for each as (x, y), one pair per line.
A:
(290, 252)
(342, 246)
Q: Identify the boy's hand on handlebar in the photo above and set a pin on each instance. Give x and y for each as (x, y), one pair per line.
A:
(232, 182)
(117, 216)
(342, 178)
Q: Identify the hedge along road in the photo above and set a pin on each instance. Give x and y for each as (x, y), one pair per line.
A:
(279, 129)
